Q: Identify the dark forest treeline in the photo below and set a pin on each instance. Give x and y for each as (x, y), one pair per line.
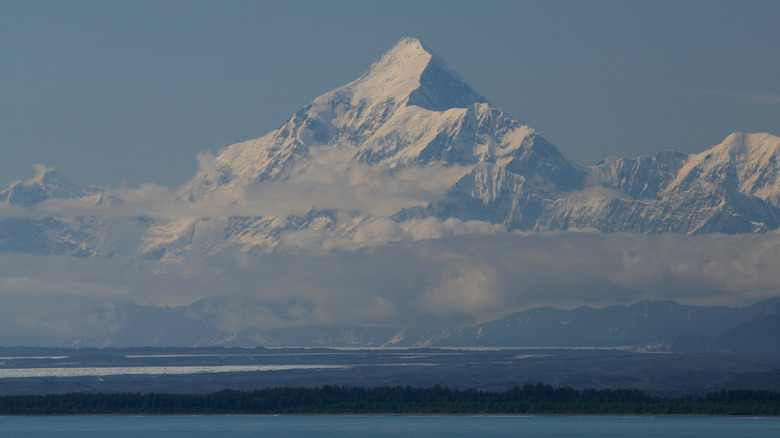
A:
(529, 399)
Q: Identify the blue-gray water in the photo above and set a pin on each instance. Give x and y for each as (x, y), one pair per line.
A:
(384, 426)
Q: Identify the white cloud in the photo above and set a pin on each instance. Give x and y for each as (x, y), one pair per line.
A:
(432, 228)
(328, 180)
(379, 231)
(451, 280)
(463, 289)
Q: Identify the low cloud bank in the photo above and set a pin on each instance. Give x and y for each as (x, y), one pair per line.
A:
(329, 180)
(443, 281)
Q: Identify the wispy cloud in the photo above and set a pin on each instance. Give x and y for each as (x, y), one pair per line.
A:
(746, 97)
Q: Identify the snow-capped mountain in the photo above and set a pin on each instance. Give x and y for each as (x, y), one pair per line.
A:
(412, 111)
(47, 184)
(731, 188)
(409, 111)
(409, 108)
(406, 142)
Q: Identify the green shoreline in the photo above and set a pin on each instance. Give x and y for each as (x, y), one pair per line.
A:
(536, 399)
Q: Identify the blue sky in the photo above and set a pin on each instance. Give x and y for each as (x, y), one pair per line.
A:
(113, 92)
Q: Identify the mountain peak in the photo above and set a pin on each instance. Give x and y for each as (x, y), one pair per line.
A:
(754, 142)
(411, 72)
(405, 60)
(48, 183)
(410, 41)
(757, 149)
(408, 46)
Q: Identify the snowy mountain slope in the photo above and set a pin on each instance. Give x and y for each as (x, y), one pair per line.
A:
(47, 184)
(43, 236)
(50, 215)
(731, 188)
(744, 163)
(23, 229)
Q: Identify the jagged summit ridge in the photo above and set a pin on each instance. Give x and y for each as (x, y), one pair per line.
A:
(730, 188)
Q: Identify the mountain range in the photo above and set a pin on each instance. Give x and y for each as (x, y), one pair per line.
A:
(411, 114)
(647, 326)
(408, 143)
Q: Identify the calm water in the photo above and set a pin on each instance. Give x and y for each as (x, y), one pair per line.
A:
(384, 426)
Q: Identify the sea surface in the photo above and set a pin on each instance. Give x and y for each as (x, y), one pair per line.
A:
(385, 426)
